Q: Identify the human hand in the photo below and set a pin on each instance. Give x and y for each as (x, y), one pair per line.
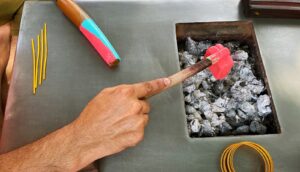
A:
(115, 119)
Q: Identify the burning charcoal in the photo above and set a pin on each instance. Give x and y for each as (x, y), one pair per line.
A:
(188, 98)
(256, 86)
(233, 46)
(204, 74)
(225, 128)
(235, 121)
(190, 117)
(219, 88)
(197, 115)
(204, 45)
(227, 106)
(242, 130)
(231, 114)
(190, 109)
(209, 114)
(187, 59)
(195, 126)
(188, 82)
(206, 129)
(197, 94)
(231, 104)
(263, 105)
(240, 92)
(212, 79)
(247, 108)
(243, 115)
(191, 46)
(240, 55)
(204, 106)
(256, 127)
(189, 88)
(219, 105)
(205, 85)
(217, 121)
(246, 74)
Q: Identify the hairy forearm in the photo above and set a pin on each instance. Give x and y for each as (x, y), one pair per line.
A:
(61, 150)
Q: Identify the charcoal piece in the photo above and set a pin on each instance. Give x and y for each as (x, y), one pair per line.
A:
(212, 79)
(243, 115)
(204, 74)
(240, 55)
(240, 92)
(263, 105)
(225, 128)
(217, 121)
(242, 130)
(257, 127)
(196, 48)
(187, 59)
(195, 126)
(196, 104)
(188, 98)
(204, 106)
(231, 104)
(197, 94)
(197, 115)
(189, 88)
(231, 114)
(235, 121)
(191, 46)
(256, 86)
(209, 114)
(219, 88)
(247, 108)
(246, 74)
(205, 85)
(190, 117)
(207, 129)
(190, 109)
(233, 45)
(219, 105)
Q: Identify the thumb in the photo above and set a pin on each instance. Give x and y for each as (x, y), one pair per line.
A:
(150, 88)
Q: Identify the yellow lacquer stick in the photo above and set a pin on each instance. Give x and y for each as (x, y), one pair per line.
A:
(37, 60)
(41, 56)
(45, 51)
(33, 67)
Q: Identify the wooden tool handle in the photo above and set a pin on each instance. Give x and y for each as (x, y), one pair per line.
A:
(72, 11)
(188, 72)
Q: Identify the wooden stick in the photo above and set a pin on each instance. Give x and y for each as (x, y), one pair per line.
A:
(45, 51)
(33, 67)
(188, 72)
(41, 56)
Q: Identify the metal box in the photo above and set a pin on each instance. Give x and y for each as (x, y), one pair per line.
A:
(242, 31)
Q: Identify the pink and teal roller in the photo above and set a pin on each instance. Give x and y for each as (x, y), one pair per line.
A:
(90, 30)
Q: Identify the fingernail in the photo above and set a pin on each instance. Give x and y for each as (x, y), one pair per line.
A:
(167, 81)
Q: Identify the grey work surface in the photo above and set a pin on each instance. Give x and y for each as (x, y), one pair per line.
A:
(143, 32)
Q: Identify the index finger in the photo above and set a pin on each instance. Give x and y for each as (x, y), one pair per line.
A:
(149, 88)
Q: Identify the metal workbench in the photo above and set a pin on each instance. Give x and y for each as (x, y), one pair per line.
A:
(143, 32)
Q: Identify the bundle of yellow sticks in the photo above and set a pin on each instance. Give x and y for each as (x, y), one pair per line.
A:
(39, 59)
(226, 161)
